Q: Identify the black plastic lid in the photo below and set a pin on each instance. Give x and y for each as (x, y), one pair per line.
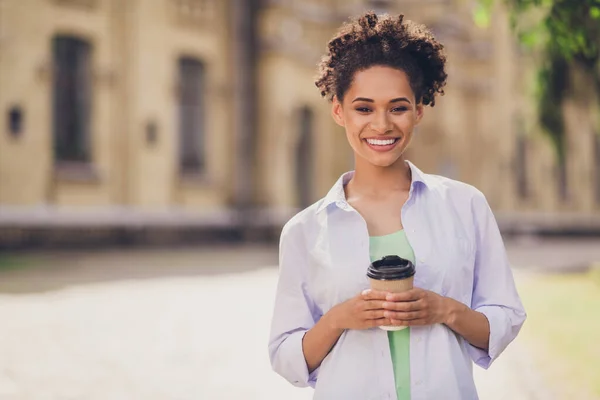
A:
(391, 268)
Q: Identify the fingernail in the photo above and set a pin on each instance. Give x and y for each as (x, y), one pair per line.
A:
(385, 305)
(366, 291)
(387, 314)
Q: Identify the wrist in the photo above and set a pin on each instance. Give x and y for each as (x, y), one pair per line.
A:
(332, 321)
(453, 310)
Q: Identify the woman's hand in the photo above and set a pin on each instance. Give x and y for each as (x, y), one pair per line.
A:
(417, 307)
(361, 312)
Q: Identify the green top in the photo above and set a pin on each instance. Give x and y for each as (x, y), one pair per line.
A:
(396, 244)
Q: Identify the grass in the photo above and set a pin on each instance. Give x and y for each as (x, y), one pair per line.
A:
(10, 262)
(563, 331)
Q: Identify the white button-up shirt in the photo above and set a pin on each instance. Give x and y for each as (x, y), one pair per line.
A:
(324, 255)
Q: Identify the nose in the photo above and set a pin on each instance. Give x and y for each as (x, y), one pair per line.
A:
(381, 123)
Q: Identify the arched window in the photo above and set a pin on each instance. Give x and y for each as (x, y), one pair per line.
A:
(191, 116)
(305, 158)
(71, 98)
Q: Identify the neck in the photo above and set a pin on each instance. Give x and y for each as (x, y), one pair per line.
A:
(371, 179)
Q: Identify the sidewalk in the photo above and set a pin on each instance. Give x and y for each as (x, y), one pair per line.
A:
(162, 328)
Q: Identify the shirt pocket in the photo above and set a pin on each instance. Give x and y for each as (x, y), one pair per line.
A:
(459, 269)
(448, 268)
(335, 276)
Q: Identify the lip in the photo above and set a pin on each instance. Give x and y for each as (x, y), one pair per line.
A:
(382, 148)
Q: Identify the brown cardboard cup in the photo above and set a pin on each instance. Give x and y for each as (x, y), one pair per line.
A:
(391, 274)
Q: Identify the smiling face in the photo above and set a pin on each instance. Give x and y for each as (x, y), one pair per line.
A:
(379, 112)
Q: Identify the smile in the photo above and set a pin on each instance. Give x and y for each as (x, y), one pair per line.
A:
(379, 142)
(382, 145)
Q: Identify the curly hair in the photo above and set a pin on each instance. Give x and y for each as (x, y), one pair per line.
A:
(383, 40)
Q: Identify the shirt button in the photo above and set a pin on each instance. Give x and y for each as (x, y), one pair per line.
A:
(418, 340)
(418, 382)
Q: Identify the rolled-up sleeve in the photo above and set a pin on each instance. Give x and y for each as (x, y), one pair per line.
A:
(294, 313)
(494, 291)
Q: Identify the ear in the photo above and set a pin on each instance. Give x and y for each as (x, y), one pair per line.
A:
(420, 109)
(337, 112)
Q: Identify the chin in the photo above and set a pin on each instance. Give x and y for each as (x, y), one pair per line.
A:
(383, 162)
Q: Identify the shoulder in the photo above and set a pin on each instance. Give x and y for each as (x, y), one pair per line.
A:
(469, 202)
(302, 221)
(452, 189)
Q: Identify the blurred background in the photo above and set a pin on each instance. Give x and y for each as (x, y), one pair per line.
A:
(150, 152)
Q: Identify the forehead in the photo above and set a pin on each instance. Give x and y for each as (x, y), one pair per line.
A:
(380, 83)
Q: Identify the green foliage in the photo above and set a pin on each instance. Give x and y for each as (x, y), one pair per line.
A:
(482, 13)
(564, 34)
(551, 88)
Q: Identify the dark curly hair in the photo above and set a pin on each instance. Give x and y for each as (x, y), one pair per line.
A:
(383, 40)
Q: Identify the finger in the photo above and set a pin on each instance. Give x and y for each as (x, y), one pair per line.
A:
(372, 323)
(398, 322)
(403, 305)
(410, 295)
(370, 294)
(404, 316)
(374, 314)
(373, 304)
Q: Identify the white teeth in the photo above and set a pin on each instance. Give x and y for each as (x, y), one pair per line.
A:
(376, 142)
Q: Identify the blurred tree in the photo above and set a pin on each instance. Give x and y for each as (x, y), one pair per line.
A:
(565, 35)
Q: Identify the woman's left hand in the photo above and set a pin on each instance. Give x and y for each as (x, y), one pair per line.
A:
(417, 307)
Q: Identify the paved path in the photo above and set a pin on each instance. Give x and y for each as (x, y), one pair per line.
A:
(163, 325)
(554, 255)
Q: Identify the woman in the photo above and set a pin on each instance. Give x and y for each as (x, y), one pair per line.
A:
(380, 73)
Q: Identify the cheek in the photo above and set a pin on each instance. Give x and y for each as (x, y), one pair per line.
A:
(354, 128)
(406, 120)
(352, 135)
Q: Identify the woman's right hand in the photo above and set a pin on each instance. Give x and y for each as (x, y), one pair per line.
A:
(360, 312)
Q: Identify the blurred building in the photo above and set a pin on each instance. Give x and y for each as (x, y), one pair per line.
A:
(203, 113)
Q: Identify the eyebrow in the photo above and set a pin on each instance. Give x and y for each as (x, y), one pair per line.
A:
(396, 100)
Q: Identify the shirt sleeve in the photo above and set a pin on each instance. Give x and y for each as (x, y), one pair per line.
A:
(494, 291)
(294, 314)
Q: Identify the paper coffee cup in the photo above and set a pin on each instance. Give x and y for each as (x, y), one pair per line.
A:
(391, 274)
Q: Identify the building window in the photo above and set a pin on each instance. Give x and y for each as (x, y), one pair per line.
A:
(521, 167)
(304, 157)
(71, 105)
(15, 120)
(191, 116)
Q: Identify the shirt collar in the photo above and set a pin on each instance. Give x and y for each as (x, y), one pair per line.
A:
(337, 196)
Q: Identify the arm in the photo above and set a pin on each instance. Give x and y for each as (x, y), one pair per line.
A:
(294, 313)
(472, 325)
(494, 291)
(300, 337)
(361, 312)
(496, 313)
(423, 307)
(319, 341)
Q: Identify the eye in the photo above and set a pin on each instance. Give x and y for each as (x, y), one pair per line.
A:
(363, 109)
(400, 109)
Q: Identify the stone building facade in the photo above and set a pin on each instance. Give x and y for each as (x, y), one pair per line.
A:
(204, 113)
